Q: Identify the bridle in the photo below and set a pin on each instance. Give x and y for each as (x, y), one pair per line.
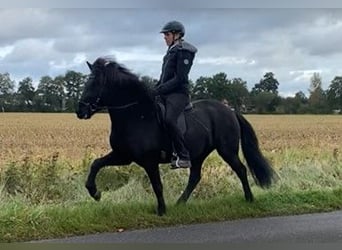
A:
(93, 107)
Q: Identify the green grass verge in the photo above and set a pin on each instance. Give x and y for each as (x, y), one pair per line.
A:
(47, 199)
(19, 222)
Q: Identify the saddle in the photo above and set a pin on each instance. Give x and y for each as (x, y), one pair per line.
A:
(181, 123)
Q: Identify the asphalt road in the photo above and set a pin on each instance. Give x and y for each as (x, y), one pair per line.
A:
(308, 228)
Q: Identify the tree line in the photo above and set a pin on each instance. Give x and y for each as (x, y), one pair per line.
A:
(61, 94)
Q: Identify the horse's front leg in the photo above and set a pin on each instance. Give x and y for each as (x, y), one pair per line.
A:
(152, 171)
(113, 158)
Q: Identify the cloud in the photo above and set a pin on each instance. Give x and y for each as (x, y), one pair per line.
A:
(244, 43)
(321, 38)
(6, 50)
(65, 65)
(225, 61)
(300, 75)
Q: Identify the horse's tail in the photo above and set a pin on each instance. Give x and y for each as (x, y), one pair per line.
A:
(259, 166)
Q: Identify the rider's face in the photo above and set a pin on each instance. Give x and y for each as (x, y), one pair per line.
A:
(170, 38)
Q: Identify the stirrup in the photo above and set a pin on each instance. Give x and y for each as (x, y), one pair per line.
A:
(179, 163)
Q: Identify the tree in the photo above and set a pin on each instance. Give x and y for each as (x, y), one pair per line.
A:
(201, 88)
(301, 101)
(219, 86)
(73, 82)
(59, 93)
(317, 98)
(301, 97)
(267, 84)
(315, 82)
(293, 105)
(334, 93)
(215, 87)
(264, 94)
(237, 94)
(43, 98)
(6, 91)
(265, 102)
(26, 93)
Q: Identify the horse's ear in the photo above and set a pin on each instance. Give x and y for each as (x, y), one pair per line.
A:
(90, 66)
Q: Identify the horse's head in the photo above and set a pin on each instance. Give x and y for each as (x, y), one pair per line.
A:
(92, 97)
(110, 85)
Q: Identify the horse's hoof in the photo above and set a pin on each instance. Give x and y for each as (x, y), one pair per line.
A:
(180, 202)
(161, 211)
(249, 199)
(97, 196)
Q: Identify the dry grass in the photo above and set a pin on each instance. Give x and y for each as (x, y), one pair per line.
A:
(314, 133)
(37, 136)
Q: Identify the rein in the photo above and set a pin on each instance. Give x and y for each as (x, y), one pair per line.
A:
(123, 106)
(95, 106)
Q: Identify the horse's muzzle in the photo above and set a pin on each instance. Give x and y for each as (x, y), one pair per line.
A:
(84, 111)
(82, 116)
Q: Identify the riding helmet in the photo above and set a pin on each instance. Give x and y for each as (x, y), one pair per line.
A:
(174, 27)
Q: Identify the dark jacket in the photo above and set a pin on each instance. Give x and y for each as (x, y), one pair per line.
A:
(175, 70)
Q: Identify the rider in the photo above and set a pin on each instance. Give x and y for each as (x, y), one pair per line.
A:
(173, 86)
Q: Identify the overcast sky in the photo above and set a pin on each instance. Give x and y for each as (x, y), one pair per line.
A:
(245, 43)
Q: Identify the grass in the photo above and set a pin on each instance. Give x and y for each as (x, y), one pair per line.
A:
(20, 222)
(43, 169)
(65, 209)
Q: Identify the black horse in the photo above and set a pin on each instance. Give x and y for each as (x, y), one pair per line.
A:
(138, 136)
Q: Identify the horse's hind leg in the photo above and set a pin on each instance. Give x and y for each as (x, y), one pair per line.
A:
(232, 158)
(194, 178)
(110, 159)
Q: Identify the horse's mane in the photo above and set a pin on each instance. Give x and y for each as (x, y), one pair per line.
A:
(117, 73)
